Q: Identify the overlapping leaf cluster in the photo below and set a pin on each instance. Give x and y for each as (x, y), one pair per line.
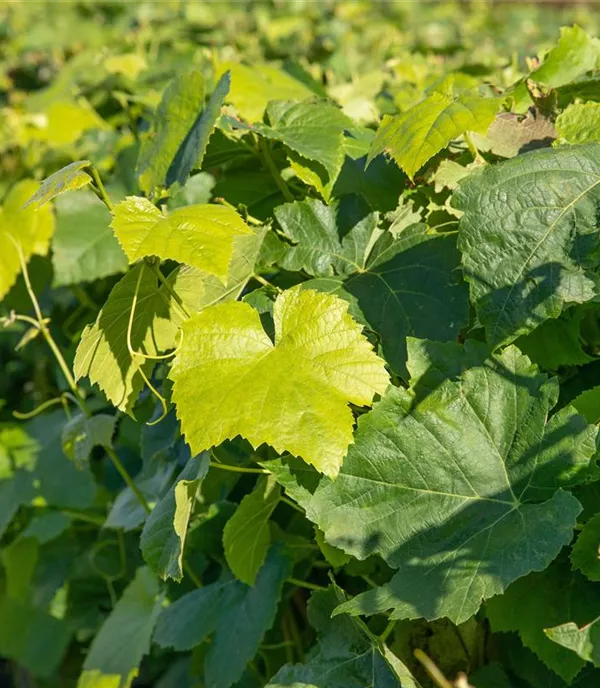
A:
(300, 339)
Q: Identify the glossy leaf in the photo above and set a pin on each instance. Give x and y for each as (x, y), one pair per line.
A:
(198, 235)
(526, 260)
(455, 481)
(226, 361)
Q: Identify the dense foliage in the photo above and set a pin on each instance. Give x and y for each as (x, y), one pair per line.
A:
(300, 338)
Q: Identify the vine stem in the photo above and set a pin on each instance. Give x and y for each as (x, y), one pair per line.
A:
(162, 279)
(270, 165)
(431, 668)
(304, 584)
(239, 469)
(387, 630)
(265, 282)
(41, 324)
(127, 478)
(99, 189)
(291, 504)
(473, 148)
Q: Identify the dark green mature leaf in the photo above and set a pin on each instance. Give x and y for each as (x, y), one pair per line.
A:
(61, 482)
(14, 491)
(409, 287)
(32, 637)
(84, 247)
(224, 607)
(528, 237)
(163, 537)
(327, 239)
(542, 600)
(456, 481)
(347, 654)
(585, 555)
(584, 641)
(124, 638)
(180, 131)
(246, 538)
(81, 434)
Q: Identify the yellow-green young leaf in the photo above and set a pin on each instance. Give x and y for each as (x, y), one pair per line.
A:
(124, 638)
(579, 123)
(163, 536)
(179, 134)
(128, 64)
(23, 228)
(63, 122)
(102, 354)
(253, 87)
(416, 135)
(230, 379)
(198, 235)
(246, 537)
(68, 178)
(313, 130)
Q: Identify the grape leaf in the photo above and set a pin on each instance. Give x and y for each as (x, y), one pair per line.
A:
(246, 537)
(180, 131)
(314, 130)
(14, 491)
(102, 354)
(511, 133)
(456, 481)
(585, 555)
(61, 482)
(588, 404)
(68, 178)
(21, 229)
(253, 87)
(32, 637)
(84, 256)
(416, 135)
(347, 653)
(410, 286)
(542, 600)
(124, 638)
(579, 123)
(575, 53)
(221, 607)
(327, 238)
(584, 641)
(199, 235)
(163, 537)
(229, 379)
(81, 434)
(526, 259)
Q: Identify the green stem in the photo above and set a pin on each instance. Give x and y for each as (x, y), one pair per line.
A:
(434, 673)
(99, 189)
(388, 629)
(239, 469)
(193, 576)
(291, 504)
(178, 300)
(127, 478)
(265, 282)
(473, 148)
(304, 584)
(272, 167)
(87, 518)
(47, 334)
